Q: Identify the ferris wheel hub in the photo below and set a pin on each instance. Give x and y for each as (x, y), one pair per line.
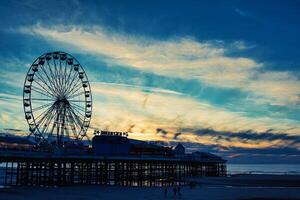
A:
(62, 101)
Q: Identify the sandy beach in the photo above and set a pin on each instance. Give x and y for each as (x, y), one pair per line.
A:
(251, 180)
(239, 187)
(111, 192)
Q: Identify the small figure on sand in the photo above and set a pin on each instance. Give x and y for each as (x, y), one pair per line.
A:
(178, 191)
(175, 191)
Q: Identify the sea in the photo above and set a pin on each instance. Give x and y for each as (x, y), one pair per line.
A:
(280, 169)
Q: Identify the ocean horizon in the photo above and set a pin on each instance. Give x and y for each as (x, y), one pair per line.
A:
(279, 169)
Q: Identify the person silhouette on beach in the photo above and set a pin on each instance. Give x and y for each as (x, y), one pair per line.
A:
(175, 191)
(178, 191)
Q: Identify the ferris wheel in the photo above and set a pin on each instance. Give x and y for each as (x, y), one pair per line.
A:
(57, 98)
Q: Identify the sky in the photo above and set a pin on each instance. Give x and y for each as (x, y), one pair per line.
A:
(217, 76)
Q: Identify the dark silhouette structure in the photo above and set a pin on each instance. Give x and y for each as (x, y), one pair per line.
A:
(140, 164)
(45, 169)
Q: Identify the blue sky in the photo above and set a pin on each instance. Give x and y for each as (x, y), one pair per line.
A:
(220, 76)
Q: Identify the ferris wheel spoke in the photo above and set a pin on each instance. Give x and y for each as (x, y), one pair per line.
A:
(51, 94)
(37, 99)
(74, 121)
(42, 107)
(68, 79)
(73, 124)
(72, 87)
(43, 117)
(65, 77)
(78, 107)
(48, 118)
(79, 120)
(42, 92)
(53, 126)
(52, 75)
(38, 90)
(60, 76)
(78, 113)
(58, 124)
(77, 117)
(65, 123)
(41, 89)
(75, 95)
(76, 88)
(45, 84)
(49, 79)
(71, 78)
(56, 76)
(71, 84)
(55, 72)
(48, 123)
(41, 114)
(76, 100)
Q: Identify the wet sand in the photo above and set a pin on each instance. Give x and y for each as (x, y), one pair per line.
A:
(143, 193)
(238, 187)
(254, 180)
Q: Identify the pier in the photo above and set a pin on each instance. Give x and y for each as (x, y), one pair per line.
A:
(39, 169)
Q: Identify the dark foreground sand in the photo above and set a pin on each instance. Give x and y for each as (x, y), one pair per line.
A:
(243, 187)
(135, 193)
(255, 180)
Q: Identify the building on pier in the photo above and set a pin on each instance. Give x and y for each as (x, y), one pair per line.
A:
(179, 149)
(108, 144)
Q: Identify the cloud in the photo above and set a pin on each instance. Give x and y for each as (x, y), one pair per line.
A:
(176, 135)
(11, 112)
(146, 111)
(178, 118)
(10, 102)
(145, 53)
(241, 12)
(281, 88)
(9, 97)
(184, 119)
(161, 131)
(248, 136)
(245, 155)
(13, 71)
(182, 57)
(240, 46)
